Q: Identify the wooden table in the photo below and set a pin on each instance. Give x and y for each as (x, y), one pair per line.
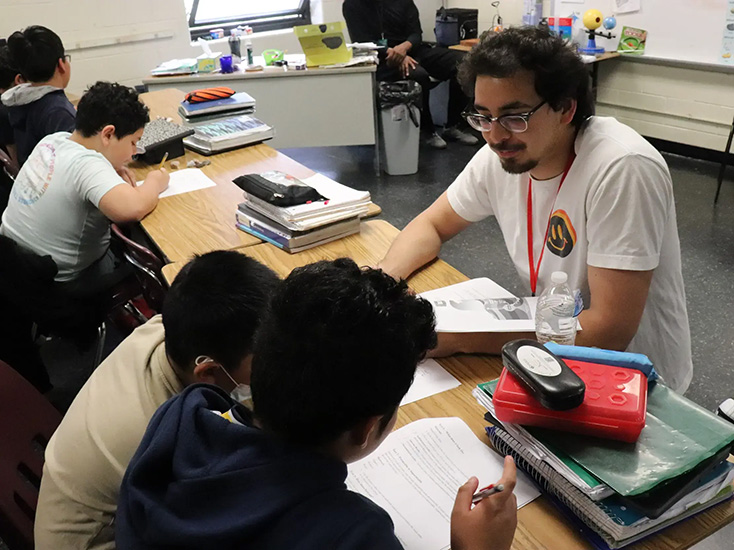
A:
(540, 526)
(204, 220)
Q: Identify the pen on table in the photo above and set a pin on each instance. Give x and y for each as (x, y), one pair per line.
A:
(489, 490)
(165, 158)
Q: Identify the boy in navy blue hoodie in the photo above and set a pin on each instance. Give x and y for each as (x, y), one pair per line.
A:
(39, 106)
(336, 354)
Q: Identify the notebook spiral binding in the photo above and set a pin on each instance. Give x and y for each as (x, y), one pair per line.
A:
(593, 514)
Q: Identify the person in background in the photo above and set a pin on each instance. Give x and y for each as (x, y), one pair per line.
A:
(9, 77)
(38, 107)
(211, 310)
(335, 355)
(396, 25)
(74, 185)
(571, 192)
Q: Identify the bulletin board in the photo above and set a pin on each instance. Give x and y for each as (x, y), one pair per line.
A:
(678, 30)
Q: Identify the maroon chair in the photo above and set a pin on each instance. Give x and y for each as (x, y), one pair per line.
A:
(147, 268)
(27, 421)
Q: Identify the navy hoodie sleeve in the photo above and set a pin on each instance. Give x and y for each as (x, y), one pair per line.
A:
(374, 531)
(60, 119)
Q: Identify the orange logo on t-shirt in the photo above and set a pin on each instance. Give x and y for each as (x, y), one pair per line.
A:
(561, 234)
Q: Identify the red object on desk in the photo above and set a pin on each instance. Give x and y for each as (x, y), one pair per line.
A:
(614, 405)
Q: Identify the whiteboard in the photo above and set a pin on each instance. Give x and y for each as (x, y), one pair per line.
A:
(678, 30)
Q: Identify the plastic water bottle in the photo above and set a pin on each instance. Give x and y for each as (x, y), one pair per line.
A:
(248, 46)
(554, 320)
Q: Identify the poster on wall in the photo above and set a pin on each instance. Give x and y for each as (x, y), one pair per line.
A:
(626, 6)
(727, 42)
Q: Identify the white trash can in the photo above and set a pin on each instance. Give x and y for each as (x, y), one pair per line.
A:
(400, 118)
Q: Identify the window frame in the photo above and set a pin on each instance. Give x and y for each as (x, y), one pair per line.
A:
(271, 21)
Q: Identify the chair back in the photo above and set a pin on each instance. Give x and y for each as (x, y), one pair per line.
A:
(28, 421)
(147, 268)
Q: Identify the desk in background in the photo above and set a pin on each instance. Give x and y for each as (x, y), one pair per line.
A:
(311, 108)
(540, 525)
(204, 220)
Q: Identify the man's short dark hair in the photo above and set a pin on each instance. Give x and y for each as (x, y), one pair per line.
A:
(559, 73)
(8, 71)
(110, 103)
(339, 345)
(36, 51)
(214, 307)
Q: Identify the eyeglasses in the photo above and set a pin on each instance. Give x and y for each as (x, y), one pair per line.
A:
(68, 57)
(515, 123)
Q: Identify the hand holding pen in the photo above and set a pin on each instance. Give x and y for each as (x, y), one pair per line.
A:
(486, 519)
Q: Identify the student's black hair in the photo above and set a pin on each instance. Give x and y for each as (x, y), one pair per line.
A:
(214, 307)
(8, 71)
(110, 103)
(36, 51)
(559, 73)
(339, 345)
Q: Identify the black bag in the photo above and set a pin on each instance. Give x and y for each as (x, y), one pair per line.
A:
(277, 188)
(455, 24)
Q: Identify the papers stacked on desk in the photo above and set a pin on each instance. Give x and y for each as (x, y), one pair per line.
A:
(296, 228)
(618, 493)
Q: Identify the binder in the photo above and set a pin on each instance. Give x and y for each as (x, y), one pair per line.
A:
(610, 518)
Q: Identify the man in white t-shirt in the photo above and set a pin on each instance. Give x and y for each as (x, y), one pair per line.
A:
(598, 197)
(73, 185)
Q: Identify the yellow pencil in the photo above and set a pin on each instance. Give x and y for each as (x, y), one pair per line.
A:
(165, 157)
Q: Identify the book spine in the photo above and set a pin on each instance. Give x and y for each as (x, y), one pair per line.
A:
(551, 482)
(259, 235)
(244, 219)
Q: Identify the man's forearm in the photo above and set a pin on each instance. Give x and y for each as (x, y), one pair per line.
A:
(417, 244)
(451, 343)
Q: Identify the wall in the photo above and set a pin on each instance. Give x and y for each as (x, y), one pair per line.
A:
(107, 39)
(122, 40)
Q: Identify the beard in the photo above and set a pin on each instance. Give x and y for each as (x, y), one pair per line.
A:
(513, 166)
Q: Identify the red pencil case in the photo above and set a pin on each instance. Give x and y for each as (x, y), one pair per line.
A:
(614, 405)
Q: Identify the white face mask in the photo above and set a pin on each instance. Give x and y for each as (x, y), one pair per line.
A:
(241, 392)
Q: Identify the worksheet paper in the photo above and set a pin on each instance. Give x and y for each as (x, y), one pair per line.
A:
(430, 378)
(415, 473)
(185, 181)
(481, 305)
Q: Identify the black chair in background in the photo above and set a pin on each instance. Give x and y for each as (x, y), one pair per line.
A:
(724, 163)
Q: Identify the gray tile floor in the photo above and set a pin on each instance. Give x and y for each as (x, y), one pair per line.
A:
(707, 247)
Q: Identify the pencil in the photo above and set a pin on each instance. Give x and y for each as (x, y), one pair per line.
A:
(165, 157)
(486, 492)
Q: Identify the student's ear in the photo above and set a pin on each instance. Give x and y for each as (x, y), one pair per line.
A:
(107, 133)
(206, 372)
(362, 433)
(568, 111)
(18, 79)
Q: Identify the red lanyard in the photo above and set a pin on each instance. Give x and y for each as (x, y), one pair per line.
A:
(534, 270)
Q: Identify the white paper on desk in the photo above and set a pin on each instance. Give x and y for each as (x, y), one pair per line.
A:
(185, 181)
(415, 473)
(430, 378)
(481, 305)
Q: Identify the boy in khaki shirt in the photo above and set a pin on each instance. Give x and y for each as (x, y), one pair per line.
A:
(205, 334)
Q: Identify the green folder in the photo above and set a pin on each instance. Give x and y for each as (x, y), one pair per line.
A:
(678, 435)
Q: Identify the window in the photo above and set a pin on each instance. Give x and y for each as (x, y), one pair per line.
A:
(261, 15)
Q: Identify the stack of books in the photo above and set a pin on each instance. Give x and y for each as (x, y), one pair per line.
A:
(223, 124)
(618, 493)
(304, 226)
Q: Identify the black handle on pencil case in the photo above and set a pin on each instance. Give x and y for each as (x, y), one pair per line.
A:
(275, 193)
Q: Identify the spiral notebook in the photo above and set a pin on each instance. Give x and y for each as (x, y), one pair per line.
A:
(614, 522)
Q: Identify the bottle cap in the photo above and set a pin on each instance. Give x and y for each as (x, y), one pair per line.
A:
(559, 277)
